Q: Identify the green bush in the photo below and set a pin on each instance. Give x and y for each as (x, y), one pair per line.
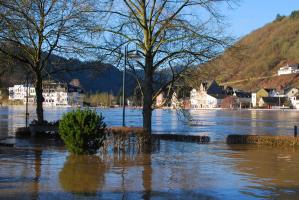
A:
(83, 131)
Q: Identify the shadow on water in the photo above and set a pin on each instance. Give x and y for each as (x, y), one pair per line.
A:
(12, 181)
(37, 171)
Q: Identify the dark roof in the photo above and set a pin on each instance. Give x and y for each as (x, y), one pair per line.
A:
(218, 96)
(242, 94)
(269, 89)
(213, 88)
(275, 101)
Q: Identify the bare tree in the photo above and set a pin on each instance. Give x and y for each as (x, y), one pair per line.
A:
(33, 30)
(171, 36)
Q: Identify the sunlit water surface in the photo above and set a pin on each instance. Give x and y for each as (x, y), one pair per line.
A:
(174, 171)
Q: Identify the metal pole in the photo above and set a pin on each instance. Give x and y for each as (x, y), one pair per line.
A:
(295, 131)
(279, 101)
(124, 88)
(27, 85)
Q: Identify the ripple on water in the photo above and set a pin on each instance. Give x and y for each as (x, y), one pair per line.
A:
(176, 171)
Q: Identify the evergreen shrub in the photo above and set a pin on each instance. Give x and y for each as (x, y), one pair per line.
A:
(83, 131)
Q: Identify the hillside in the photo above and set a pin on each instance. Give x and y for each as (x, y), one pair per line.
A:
(256, 58)
(93, 76)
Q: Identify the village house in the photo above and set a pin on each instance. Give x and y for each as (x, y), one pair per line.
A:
(243, 98)
(274, 102)
(55, 94)
(209, 95)
(290, 68)
(291, 92)
(185, 103)
(293, 95)
(271, 98)
(175, 101)
(264, 92)
(236, 98)
(160, 100)
(295, 102)
(1, 96)
(19, 93)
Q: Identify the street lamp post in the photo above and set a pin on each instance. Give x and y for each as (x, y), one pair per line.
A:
(135, 56)
(124, 88)
(27, 93)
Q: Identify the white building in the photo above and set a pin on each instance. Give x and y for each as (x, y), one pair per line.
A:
(19, 92)
(209, 95)
(55, 94)
(295, 102)
(254, 99)
(200, 99)
(288, 69)
(293, 95)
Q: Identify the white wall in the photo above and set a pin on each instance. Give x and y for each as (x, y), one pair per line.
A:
(203, 100)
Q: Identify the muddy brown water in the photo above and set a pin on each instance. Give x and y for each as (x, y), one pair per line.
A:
(176, 170)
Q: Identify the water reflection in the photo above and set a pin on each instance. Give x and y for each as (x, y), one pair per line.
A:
(176, 171)
(20, 173)
(271, 172)
(82, 174)
(37, 171)
(3, 123)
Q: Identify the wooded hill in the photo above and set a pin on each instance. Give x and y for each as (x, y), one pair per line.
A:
(94, 76)
(253, 61)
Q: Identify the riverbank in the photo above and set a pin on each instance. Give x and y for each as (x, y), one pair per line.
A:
(20, 104)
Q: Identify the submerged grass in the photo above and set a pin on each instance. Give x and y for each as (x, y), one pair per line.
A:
(132, 139)
(173, 137)
(128, 139)
(283, 141)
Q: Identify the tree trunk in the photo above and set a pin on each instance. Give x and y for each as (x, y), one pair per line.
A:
(148, 95)
(39, 98)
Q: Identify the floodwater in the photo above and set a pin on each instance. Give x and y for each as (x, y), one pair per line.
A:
(176, 170)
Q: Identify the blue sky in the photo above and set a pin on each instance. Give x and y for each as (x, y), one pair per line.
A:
(252, 14)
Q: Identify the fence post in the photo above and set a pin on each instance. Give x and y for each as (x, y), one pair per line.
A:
(295, 131)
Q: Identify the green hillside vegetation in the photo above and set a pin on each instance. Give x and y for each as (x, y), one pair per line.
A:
(256, 58)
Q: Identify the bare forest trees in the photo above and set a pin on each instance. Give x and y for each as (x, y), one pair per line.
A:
(33, 30)
(171, 37)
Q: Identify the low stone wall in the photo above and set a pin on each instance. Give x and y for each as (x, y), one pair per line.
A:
(183, 138)
(263, 140)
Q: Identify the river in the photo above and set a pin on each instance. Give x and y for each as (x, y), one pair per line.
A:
(176, 170)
